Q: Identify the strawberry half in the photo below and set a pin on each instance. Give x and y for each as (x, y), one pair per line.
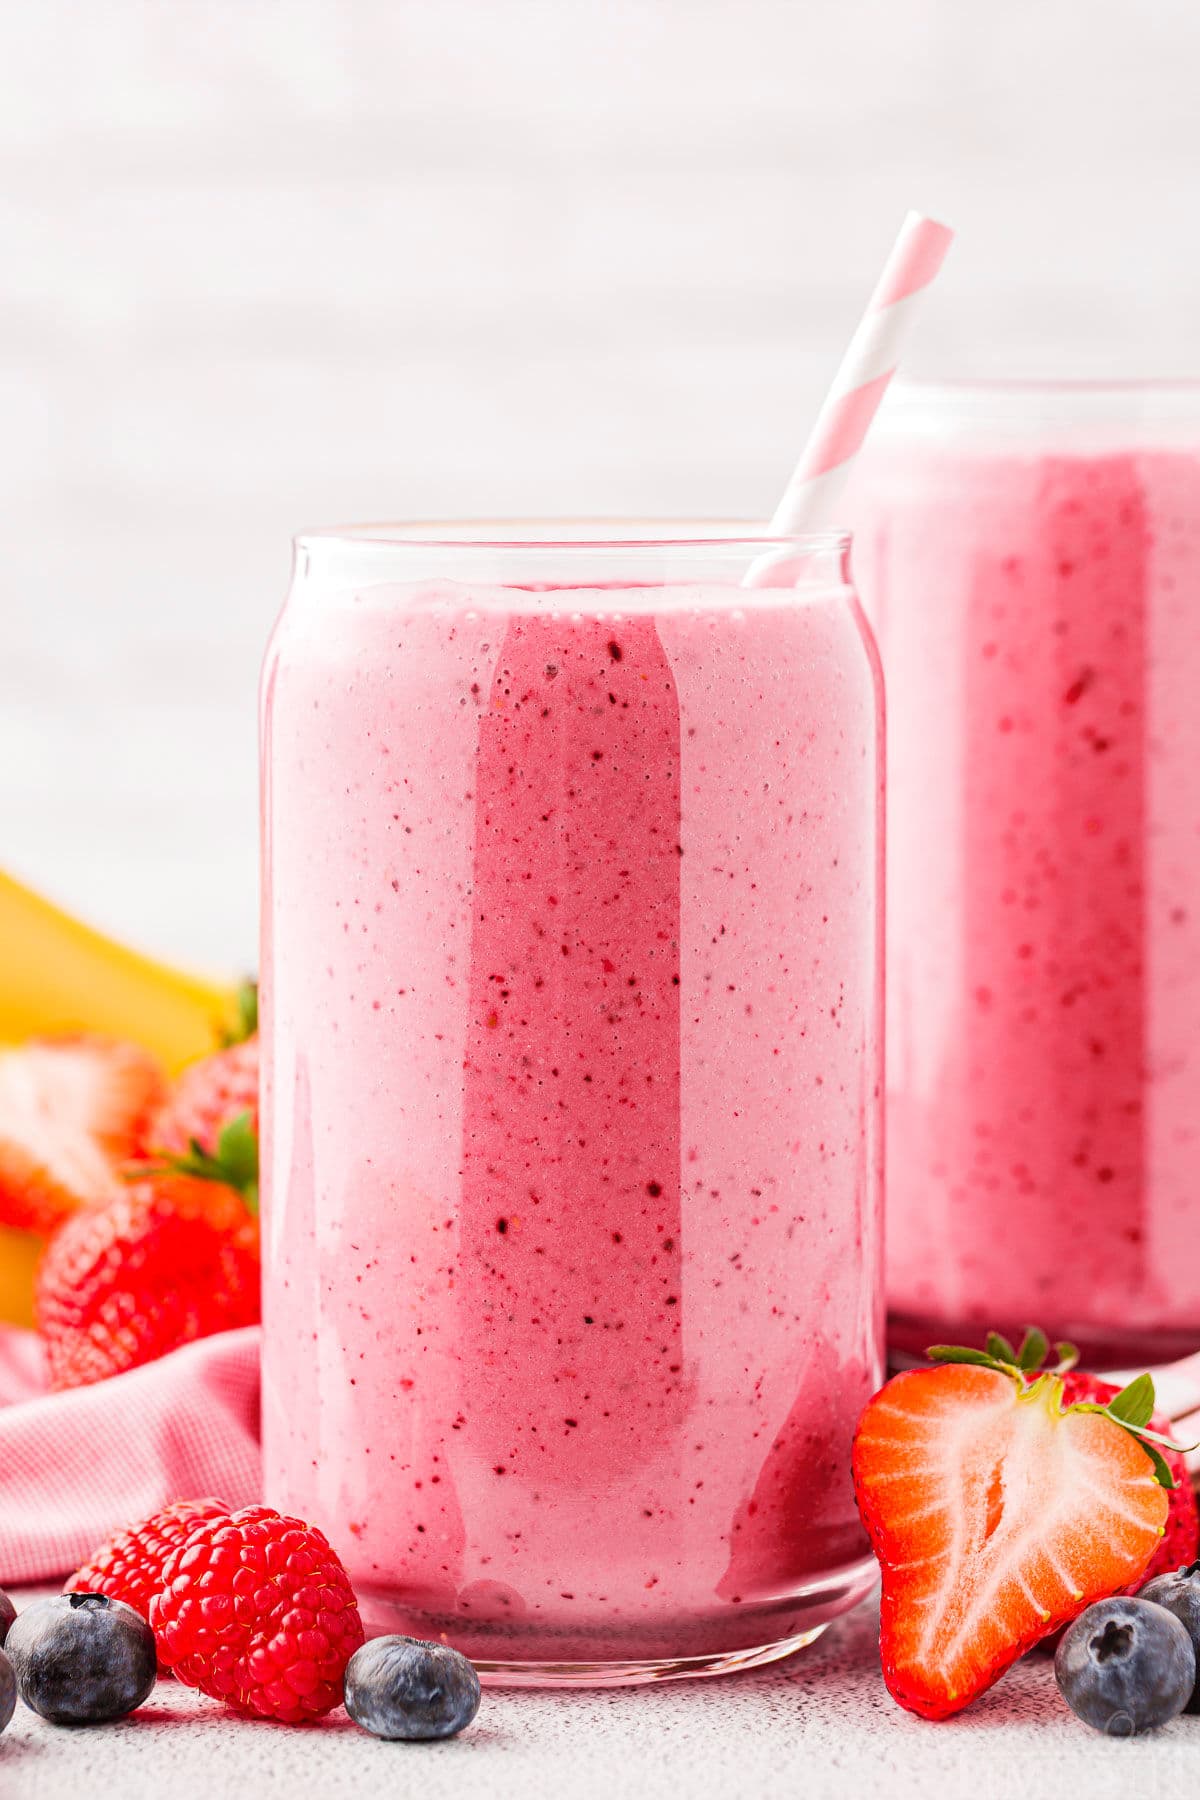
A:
(70, 1110)
(997, 1516)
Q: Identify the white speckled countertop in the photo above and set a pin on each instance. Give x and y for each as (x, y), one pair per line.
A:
(813, 1728)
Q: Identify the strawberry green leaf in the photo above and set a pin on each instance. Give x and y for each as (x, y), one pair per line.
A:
(1067, 1355)
(958, 1353)
(1034, 1346)
(1169, 1443)
(235, 1165)
(237, 1151)
(1132, 1409)
(1162, 1473)
(1134, 1404)
(247, 1016)
(1000, 1348)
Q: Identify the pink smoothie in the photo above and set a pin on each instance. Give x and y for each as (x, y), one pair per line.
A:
(1039, 614)
(572, 1166)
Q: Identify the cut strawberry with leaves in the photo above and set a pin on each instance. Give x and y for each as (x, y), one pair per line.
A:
(997, 1516)
(71, 1110)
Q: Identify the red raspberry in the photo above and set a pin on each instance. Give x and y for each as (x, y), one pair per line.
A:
(129, 1565)
(256, 1610)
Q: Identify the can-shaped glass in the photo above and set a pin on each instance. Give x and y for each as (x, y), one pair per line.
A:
(571, 988)
(1030, 556)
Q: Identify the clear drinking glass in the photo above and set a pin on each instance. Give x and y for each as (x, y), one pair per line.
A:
(572, 1031)
(1030, 556)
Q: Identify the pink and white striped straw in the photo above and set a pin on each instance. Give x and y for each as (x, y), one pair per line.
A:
(861, 381)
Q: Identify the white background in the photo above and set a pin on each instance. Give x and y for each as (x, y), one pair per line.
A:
(266, 266)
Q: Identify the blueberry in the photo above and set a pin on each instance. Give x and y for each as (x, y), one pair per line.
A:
(8, 1691)
(1179, 1592)
(80, 1659)
(400, 1687)
(1125, 1666)
(8, 1613)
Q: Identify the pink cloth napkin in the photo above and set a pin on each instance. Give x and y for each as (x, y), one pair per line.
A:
(75, 1466)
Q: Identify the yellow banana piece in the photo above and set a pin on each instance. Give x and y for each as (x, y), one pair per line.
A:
(19, 1251)
(59, 975)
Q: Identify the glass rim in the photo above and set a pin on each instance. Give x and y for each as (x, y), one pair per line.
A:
(559, 536)
(1051, 407)
(1071, 387)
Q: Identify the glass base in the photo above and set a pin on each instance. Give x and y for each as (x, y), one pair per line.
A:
(613, 1653)
(638, 1674)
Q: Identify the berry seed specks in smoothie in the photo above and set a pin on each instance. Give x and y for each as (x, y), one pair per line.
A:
(1031, 560)
(572, 1160)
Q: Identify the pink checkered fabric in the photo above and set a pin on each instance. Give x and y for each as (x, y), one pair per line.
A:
(75, 1466)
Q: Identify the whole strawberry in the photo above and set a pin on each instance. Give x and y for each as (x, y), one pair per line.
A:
(257, 1610)
(216, 1091)
(172, 1259)
(129, 1565)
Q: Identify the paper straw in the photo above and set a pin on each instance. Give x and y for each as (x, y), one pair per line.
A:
(861, 381)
